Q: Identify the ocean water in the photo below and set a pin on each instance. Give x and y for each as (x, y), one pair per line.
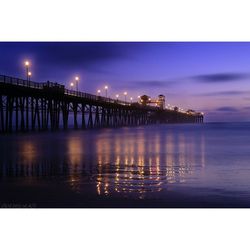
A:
(177, 165)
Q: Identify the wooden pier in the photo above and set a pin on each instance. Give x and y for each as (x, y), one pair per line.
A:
(29, 106)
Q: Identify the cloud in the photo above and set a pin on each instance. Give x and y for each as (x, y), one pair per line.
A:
(66, 55)
(224, 93)
(150, 83)
(220, 77)
(74, 53)
(227, 109)
(145, 84)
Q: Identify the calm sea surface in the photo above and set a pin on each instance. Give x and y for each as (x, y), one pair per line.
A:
(194, 165)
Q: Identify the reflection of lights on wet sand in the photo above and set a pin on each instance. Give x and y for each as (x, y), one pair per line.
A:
(28, 152)
(106, 191)
(141, 160)
(129, 172)
(99, 181)
(107, 155)
(74, 182)
(157, 144)
(150, 162)
(117, 178)
(117, 160)
(103, 150)
(98, 187)
(132, 160)
(126, 160)
(74, 149)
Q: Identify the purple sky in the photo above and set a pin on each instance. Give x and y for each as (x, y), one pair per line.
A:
(209, 77)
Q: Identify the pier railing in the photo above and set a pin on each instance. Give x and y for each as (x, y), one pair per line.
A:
(35, 85)
(19, 82)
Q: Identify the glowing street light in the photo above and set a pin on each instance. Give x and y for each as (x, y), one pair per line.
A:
(29, 75)
(106, 90)
(117, 97)
(71, 85)
(77, 81)
(131, 99)
(139, 98)
(98, 92)
(27, 64)
(125, 96)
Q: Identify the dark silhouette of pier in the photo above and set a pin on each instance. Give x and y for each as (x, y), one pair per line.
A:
(28, 106)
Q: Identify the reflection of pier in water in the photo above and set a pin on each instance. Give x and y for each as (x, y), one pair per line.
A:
(137, 164)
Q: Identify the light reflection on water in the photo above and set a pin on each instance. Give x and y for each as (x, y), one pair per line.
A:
(135, 162)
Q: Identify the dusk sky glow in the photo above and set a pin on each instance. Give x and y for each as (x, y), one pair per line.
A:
(209, 77)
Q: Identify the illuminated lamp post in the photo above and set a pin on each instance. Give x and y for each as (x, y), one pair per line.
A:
(27, 64)
(29, 76)
(106, 91)
(77, 81)
(125, 96)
